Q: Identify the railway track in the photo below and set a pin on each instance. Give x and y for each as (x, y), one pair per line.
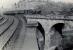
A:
(7, 29)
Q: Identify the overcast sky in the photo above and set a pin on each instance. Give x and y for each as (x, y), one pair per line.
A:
(9, 3)
(66, 1)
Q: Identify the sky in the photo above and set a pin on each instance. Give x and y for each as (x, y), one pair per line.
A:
(66, 1)
(8, 4)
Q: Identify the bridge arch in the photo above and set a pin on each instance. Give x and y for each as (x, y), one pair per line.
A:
(58, 27)
(56, 36)
(40, 35)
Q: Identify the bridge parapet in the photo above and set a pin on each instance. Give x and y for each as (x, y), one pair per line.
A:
(68, 18)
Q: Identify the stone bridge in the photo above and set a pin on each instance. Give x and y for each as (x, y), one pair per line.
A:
(48, 23)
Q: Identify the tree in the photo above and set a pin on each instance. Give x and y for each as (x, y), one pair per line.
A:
(56, 9)
(67, 10)
(49, 8)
